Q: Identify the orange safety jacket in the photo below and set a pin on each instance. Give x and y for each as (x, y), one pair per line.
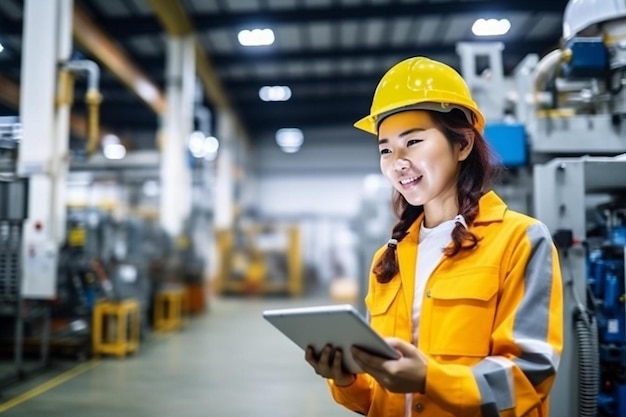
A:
(491, 323)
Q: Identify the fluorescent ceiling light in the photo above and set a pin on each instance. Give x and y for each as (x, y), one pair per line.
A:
(203, 147)
(256, 37)
(275, 93)
(196, 144)
(289, 139)
(491, 27)
(1, 48)
(114, 151)
(211, 144)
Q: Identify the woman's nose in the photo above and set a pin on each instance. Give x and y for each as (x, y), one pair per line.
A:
(400, 164)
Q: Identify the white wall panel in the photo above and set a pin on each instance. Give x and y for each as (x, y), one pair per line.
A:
(299, 195)
(325, 178)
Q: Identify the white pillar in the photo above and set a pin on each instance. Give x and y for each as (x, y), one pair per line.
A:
(177, 126)
(43, 157)
(225, 181)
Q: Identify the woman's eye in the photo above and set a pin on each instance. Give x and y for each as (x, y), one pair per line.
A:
(384, 151)
(411, 142)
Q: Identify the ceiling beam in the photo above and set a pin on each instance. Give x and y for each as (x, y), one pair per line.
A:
(303, 81)
(132, 26)
(119, 96)
(224, 60)
(522, 48)
(513, 53)
(331, 117)
(357, 99)
(176, 22)
(102, 46)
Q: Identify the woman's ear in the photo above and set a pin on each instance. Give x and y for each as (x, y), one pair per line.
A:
(465, 147)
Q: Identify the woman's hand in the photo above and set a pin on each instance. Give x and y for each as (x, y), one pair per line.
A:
(328, 365)
(404, 375)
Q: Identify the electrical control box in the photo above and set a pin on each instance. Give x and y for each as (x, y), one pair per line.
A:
(589, 58)
(508, 140)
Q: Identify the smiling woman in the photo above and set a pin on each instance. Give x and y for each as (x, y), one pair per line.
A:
(466, 290)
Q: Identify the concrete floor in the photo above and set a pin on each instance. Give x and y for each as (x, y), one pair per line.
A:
(228, 362)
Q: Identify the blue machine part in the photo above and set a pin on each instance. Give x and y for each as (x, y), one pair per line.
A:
(595, 271)
(618, 236)
(606, 278)
(606, 403)
(613, 310)
(620, 400)
(589, 58)
(509, 143)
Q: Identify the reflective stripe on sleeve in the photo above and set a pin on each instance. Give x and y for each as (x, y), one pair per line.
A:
(495, 384)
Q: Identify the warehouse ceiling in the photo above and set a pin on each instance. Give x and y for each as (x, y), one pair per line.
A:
(330, 53)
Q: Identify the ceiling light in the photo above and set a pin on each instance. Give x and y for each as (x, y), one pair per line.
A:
(114, 151)
(1, 48)
(256, 37)
(275, 93)
(211, 145)
(196, 144)
(203, 147)
(289, 139)
(491, 27)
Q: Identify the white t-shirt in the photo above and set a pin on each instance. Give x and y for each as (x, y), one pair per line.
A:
(432, 242)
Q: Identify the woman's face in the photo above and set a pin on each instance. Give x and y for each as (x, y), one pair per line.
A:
(417, 158)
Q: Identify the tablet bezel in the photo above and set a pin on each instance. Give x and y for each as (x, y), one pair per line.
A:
(338, 325)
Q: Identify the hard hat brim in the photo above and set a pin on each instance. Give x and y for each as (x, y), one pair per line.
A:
(369, 123)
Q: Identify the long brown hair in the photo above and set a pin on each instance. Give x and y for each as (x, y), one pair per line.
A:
(476, 174)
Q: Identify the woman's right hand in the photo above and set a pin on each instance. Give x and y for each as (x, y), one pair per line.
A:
(328, 365)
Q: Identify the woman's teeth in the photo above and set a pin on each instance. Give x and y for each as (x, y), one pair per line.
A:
(409, 180)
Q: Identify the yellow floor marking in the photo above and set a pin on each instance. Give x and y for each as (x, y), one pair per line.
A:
(48, 385)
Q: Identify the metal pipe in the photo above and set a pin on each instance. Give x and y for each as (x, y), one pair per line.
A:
(90, 67)
(93, 98)
(547, 67)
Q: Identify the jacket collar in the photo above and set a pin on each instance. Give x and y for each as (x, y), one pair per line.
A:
(491, 209)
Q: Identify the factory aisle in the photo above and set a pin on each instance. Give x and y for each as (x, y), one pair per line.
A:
(228, 362)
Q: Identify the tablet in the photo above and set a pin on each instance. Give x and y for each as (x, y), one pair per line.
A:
(338, 325)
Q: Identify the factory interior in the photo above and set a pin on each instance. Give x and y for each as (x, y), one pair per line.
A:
(171, 169)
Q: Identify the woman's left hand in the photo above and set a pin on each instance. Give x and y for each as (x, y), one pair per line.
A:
(404, 375)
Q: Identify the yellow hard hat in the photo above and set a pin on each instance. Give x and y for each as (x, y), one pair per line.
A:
(420, 83)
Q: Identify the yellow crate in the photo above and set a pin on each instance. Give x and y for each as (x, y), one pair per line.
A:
(116, 327)
(168, 309)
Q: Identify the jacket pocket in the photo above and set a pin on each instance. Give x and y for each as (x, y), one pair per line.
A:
(379, 303)
(463, 311)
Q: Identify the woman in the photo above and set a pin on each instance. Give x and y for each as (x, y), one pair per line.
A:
(466, 290)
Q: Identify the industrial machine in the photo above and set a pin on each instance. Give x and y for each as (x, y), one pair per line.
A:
(19, 318)
(575, 117)
(605, 270)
